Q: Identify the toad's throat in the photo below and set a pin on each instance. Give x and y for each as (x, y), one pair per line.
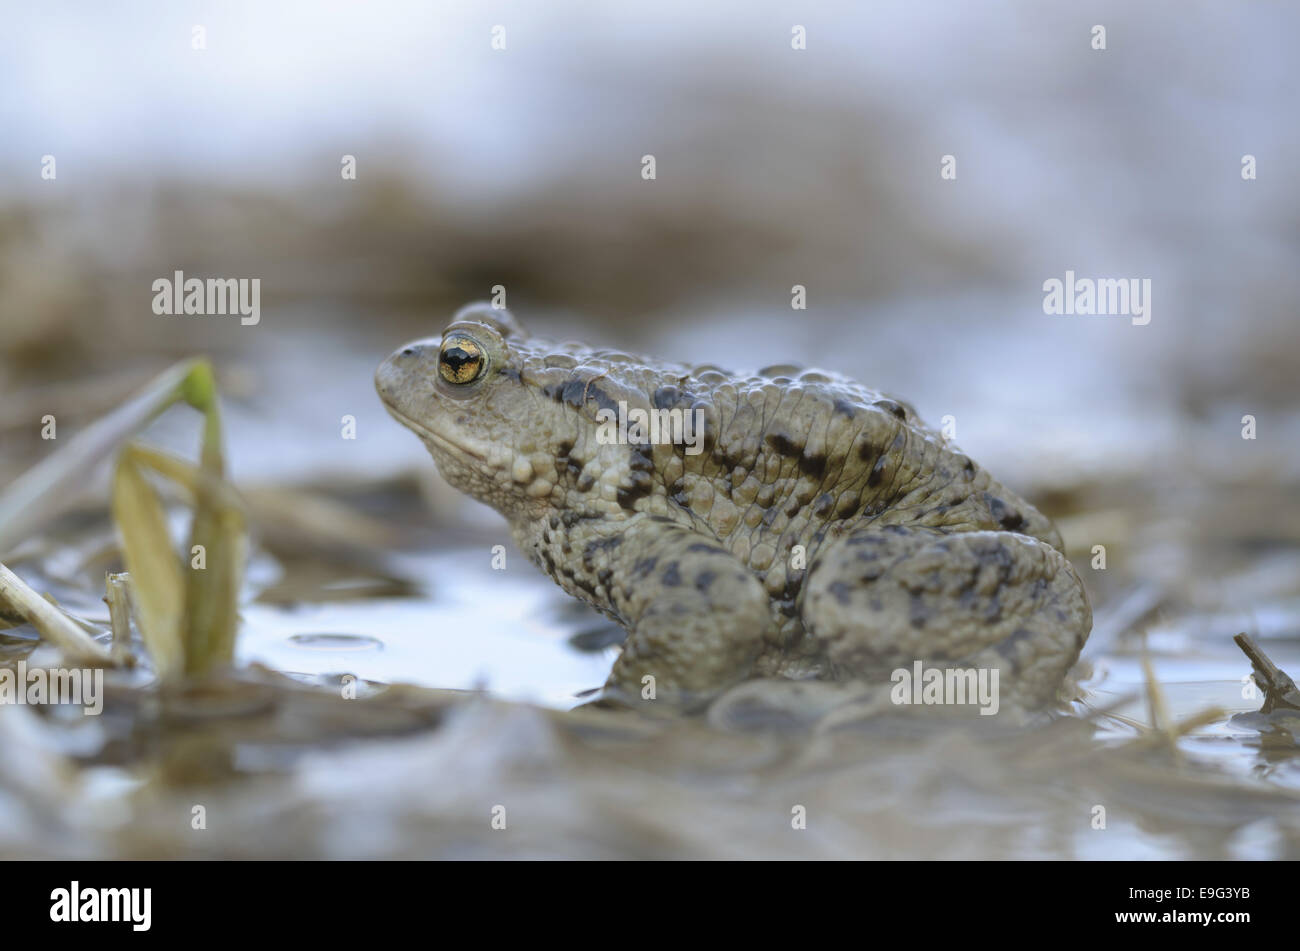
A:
(434, 439)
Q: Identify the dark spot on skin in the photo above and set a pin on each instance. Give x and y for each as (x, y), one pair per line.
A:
(793, 585)
(644, 567)
(641, 459)
(997, 555)
(1005, 515)
(603, 577)
(640, 482)
(550, 563)
(864, 540)
(845, 408)
(792, 511)
(666, 397)
(704, 579)
(671, 577)
(920, 611)
(585, 482)
(890, 406)
(706, 547)
(784, 445)
(733, 461)
(848, 506)
(825, 502)
(706, 435)
(640, 485)
(866, 449)
(878, 471)
(566, 462)
(841, 592)
(596, 546)
(574, 392)
(1007, 647)
(510, 373)
(813, 465)
(555, 522)
(969, 467)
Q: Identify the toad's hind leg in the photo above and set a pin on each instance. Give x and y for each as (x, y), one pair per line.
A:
(883, 598)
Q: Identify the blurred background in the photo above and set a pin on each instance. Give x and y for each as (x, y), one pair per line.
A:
(775, 166)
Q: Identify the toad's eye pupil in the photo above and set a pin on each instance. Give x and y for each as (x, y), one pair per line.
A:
(461, 361)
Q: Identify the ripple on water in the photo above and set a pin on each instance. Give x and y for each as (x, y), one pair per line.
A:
(336, 642)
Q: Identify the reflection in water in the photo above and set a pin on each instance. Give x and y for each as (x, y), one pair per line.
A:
(476, 628)
(336, 642)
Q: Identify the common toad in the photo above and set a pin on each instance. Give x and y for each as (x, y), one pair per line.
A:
(811, 527)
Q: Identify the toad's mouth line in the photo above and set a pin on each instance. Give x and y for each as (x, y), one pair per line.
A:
(427, 434)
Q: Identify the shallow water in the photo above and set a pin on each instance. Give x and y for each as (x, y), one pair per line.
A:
(471, 628)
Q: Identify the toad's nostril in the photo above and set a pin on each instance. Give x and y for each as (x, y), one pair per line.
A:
(410, 351)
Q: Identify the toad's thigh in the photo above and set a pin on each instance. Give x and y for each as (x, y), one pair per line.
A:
(895, 595)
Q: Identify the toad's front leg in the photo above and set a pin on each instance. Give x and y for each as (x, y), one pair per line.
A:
(695, 615)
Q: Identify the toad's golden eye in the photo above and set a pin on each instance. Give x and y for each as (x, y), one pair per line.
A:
(461, 360)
